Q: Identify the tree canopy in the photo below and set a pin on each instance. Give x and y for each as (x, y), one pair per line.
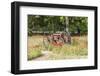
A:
(52, 24)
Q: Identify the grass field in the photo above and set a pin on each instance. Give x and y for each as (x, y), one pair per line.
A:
(76, 50)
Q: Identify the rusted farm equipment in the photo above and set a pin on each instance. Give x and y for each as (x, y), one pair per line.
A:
(57, 39)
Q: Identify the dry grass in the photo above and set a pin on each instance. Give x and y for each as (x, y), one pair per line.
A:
(77, 48)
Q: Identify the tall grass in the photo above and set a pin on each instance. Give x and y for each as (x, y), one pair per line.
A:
(77, 49)
(34, 54)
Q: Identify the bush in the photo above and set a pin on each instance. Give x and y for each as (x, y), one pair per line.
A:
(30, 33)
(33, 54)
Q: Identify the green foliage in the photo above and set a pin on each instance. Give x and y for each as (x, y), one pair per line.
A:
(51, 24)
(33, 54)
(78, 23)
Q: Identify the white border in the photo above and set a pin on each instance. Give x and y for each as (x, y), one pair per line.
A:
(25, 65)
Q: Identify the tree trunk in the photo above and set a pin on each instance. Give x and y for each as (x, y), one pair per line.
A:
(67, 30)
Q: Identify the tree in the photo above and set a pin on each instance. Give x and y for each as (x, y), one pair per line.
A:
(78, 24)
(51, 24)
(67, 29)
